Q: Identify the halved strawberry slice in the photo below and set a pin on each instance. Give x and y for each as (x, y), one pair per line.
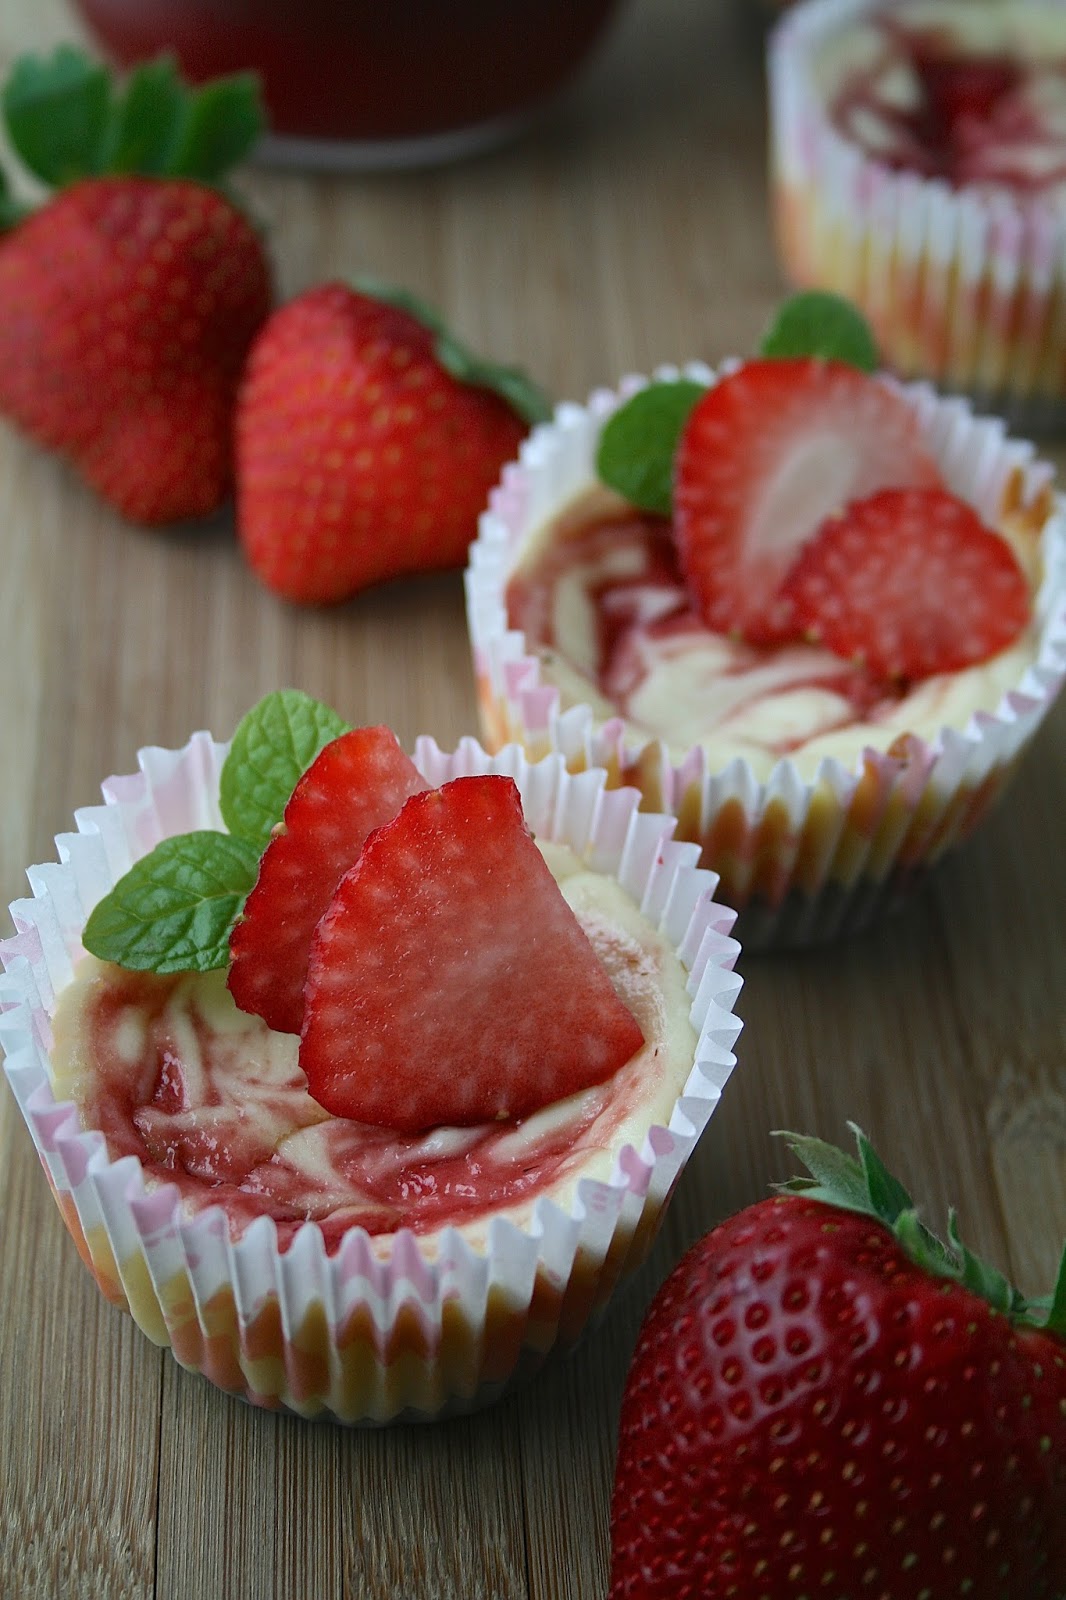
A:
(767, 454)
(911, 583)
(355, 783)
(449, 981)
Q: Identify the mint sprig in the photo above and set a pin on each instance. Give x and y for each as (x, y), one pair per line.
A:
(864, 1184)
(511, 383)
(639, 442)
(273, 746)
(817, 323)
(175, 909)
(66, 120)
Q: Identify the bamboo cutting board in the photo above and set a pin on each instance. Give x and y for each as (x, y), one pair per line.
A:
(629, 228)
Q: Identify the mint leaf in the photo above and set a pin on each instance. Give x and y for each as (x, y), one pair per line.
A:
(57, 110)
(221, 123)
(510, 383)
(638, 445)
(174, 909)
(825, 325)
(273, 746)
(146, 121)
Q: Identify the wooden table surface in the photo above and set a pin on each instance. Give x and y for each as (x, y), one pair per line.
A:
(630, 227)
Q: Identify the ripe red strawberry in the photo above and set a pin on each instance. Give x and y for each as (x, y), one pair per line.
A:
(359, 456)
(449, 981)
(129, 299)
(826, 1400)
(127, 306)
(354, 785)
(911, 583)
(767, 454)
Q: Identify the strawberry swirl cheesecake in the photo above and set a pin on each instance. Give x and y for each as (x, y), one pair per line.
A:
(824, 654)
(488, 1056)
(919, 167)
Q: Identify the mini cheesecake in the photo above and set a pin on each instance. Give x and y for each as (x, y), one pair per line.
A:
(918, 158)
(817, 791)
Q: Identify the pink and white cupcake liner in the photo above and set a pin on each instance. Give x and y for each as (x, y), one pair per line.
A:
(966, 286)
(801, 859)
(402, 1325)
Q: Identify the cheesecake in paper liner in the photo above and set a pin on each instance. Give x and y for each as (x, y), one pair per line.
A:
(391, 1325)
(965, 285)
(803, 852)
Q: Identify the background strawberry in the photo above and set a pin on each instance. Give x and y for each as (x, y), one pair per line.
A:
(367, 443)
(128, 302)
(826, 1400)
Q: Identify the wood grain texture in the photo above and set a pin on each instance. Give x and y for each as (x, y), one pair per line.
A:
(628, 228)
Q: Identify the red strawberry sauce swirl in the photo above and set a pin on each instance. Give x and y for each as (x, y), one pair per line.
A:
(612, 578)
(950, 107)
(209, 1099)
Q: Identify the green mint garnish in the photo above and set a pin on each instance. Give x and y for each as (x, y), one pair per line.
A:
(273, 746)
(865, 1185)
(66, 120)
(816, 323)
(174, 909)
(511, 383)
(638, 444)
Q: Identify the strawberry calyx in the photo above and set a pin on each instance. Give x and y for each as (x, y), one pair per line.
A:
(510, 383)
(864, 1184)
(67, 119)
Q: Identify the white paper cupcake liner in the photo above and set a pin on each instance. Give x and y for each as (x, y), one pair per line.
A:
(964, 286)
(403, 1325)
(801, 860)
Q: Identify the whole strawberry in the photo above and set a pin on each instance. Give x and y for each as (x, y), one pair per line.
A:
(825, 1400)
(128, 301)
(367, 443)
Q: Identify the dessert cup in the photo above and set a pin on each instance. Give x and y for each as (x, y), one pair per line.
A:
(813, 844)
(390, 1325)
(963, 282)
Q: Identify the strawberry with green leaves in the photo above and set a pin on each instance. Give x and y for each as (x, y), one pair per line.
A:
(368, 440)
(805, 505)
(414, 937)
(129, 298)
(826, 1400)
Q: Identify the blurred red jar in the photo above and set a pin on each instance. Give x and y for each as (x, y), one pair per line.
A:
(368, 81)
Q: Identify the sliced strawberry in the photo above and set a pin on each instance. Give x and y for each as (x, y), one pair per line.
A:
(768, 453)
(449, 981)
(911, 583)
(354, 785)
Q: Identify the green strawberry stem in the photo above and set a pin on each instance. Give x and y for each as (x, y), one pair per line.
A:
(510, 383)
(864, 1184)
(67, 119)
